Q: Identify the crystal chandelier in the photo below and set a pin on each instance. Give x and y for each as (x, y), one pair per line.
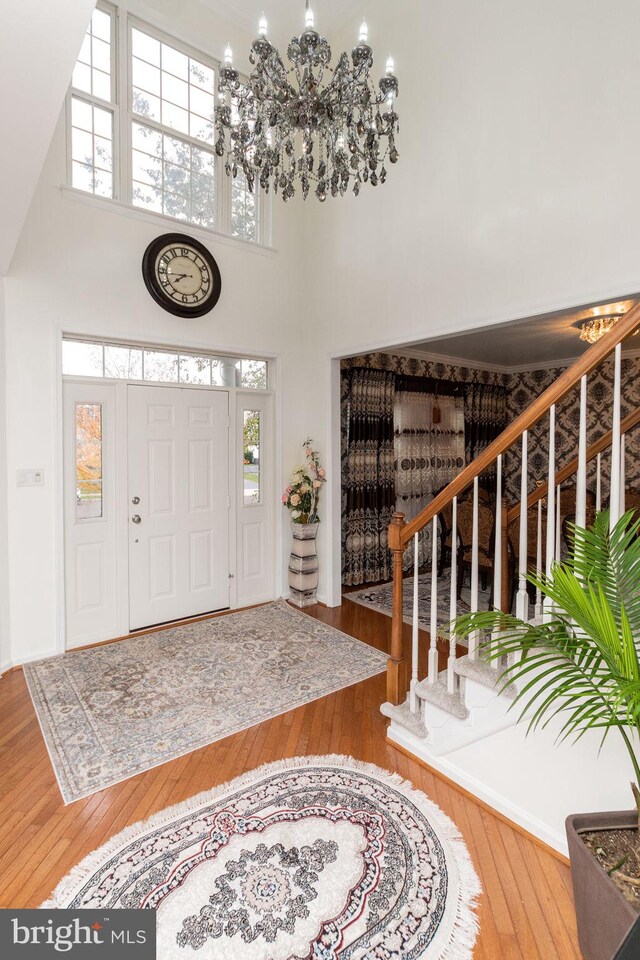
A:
(308, 124)
(595, 327)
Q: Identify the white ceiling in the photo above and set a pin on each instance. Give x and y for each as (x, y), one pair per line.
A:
(286, 17)
(535, 340)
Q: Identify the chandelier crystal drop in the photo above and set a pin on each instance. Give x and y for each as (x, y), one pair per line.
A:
(307, 125)
(591, 330)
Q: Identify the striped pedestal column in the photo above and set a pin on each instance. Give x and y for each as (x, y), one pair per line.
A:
(303, 564)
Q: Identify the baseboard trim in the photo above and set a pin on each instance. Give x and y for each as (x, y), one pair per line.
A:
(481, 803)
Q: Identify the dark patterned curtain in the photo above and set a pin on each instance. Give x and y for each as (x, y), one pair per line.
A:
(485, 416)
(369, 477)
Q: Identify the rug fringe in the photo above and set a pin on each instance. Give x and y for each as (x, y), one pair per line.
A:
(464, 929)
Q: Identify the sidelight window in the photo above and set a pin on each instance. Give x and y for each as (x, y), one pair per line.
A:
(89, 461)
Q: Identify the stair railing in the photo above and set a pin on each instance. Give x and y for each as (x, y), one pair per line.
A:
(402, 533)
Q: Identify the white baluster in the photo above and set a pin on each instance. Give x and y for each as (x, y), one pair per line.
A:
(473, 637)
(599, 483)
(453, 599)
(558, 523)
(497, 553)
(413, 699)
(433, 639)
(622, 474)
(551, 506)
(522, 598)
(538, 607)
(581, 478)
(614, 489)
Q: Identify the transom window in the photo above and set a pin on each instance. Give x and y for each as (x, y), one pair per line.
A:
(159, 111)
(86, 358)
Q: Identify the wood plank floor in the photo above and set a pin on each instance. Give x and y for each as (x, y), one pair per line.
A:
(526, 910)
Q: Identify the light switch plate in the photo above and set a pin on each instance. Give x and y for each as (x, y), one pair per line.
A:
(30, 478)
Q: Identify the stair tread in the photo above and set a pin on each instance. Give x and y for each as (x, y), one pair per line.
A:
(438, 694)
(482, 672)
(403, 716)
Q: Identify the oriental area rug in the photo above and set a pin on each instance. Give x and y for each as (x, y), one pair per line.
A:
(313, 858)
(111, 712)
(380, 598)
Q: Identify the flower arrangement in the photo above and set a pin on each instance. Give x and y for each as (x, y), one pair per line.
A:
(302, 493)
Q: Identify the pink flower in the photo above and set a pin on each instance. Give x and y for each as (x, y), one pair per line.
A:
(317, 483)
(309, 451)
(321, 472)
(295, 500)
(285, 497)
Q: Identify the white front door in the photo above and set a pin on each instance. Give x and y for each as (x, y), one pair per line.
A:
(178, 501)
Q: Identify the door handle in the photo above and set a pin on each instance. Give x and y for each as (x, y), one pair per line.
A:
(136, 518)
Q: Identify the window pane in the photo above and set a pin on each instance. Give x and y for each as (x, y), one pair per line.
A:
(251, 456)
(145, 47)
(254, 374)
(244, 221)
(81, 359)
(93, 70)
(91, 147)
(88, 460)
(195, 370)
(123, 363)
(175, 62)
(225, 372)
(161, 366)
(145, 76)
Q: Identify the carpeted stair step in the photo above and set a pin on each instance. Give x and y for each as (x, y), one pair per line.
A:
(403, 716)
(438, 694)
(483, 673)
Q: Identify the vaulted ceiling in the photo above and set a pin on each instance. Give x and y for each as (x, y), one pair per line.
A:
(39, 42)
(286, 17)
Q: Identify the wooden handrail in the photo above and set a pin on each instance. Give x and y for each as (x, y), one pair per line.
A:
(603, 443)
(589, 360)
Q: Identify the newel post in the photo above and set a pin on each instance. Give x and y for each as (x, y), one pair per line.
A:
(396, 680)
(505, 605)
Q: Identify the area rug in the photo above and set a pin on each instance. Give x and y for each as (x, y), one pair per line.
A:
(316, 858)
(381, 598)
(114, 711)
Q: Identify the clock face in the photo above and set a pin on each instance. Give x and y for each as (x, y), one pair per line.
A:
(181, 275)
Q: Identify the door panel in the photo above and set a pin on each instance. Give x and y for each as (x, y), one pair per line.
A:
(179, 468)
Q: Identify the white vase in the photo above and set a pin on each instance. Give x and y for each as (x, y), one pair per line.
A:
(303, 564)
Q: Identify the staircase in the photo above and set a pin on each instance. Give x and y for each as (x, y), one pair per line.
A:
(456, 718)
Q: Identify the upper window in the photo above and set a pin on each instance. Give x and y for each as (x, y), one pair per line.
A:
(119, 361)
(163, 121)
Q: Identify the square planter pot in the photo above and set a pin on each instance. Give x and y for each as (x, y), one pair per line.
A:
(604, 916)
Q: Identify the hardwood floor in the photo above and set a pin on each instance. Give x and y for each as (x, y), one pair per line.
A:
(526, 910)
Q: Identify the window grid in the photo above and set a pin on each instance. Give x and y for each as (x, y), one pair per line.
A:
(180, 177)
(86, 358)
(92, 108)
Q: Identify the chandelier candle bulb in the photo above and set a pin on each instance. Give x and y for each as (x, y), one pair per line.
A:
(228, 56)
(364, 33)
(308, 19)
(263, 26)
(390, 66)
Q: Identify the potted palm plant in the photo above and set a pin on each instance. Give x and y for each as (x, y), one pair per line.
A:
(583, 665)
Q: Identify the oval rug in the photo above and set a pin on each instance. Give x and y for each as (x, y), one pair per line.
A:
(312, 858)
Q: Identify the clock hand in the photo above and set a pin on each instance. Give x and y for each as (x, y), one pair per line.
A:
(180, 276)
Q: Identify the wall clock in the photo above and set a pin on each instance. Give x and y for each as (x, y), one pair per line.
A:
(181, 275)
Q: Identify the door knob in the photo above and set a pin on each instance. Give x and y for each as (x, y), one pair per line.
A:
(135, 501)
(136, 518)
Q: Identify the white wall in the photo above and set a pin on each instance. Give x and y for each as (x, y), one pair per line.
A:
(5, 648)
(77, 268)
(516, 193)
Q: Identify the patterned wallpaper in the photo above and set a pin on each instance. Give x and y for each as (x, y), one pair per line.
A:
(525, 387)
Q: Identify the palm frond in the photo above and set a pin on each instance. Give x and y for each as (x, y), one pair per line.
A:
(582, 665)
